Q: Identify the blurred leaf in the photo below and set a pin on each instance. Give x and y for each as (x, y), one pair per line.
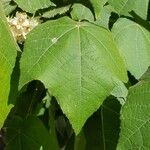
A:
(133, 41)
(102, 128)
(141, 8)
(80, 141)
(56, 11)
(14, 81)
(52, 123)
(103, 20)
(29, 100)
(8, 6)
(32, 6)
(146, 75)
(27, 134)
(120, 92)
(123, 7)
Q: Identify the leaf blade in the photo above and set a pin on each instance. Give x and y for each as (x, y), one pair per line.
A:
(28, 133)
(32, 6)
(135, 125)
(80, 12)
(123, 7)
(133, 41)
(98, 6)
(8, 53)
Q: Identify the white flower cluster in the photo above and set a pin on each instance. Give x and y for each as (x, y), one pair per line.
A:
(21, 25)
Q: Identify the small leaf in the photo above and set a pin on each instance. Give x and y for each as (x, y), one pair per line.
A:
(146, 75)
(120, 92)
(56, 11)
(141, 8)
(133, 41)
(80, 12)
(8, 53)
(103, 20)
(8, 6)
(27, 134)
(77, 61)
(32, 6)
(123, 7)
(135, 119)
(98, 6)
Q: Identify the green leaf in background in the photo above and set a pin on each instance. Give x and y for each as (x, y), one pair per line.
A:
(29, 100)
(32, 6)
(146, 75)
(52, 124)
(14, 82)
(123, 7)
(27, 134)
(103, 20)
(120, 92)
(80, 12)
(135, 119)
(8, 53)
(98, 6)
(141, 8)
(77, 61)
(102, 128)
(56, 11)
(80, 141)
(8, 6)
(133, 41)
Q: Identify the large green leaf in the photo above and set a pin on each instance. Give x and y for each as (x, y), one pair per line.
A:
(27, 134)
(33, 5)
(8, 53)
(123, 7)
(135, 119)
(133, 42)
(77, 61)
